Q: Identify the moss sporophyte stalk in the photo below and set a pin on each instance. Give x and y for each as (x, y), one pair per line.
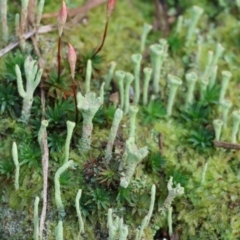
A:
(112, 127)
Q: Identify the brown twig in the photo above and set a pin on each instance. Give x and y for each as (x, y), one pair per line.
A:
(44, 147)
(11, 46)
(226, 145)
(45, 162)
(78, 12)
(161, 17)
(160, 143)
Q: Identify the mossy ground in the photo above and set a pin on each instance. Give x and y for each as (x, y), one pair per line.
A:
(207, 210)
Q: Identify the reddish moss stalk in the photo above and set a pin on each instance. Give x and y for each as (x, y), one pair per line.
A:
(72, 59)
(110, 7)
(59, 58)
(61, 20)
(103, 40)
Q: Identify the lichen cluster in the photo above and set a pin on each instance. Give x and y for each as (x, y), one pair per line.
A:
(133, 138)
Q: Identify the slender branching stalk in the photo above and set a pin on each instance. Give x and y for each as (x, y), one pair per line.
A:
(58, 199)
(80, 220)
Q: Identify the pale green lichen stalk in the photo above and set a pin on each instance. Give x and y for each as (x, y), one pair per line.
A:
(24, 4)
(153, 195)
(179, 24)
(226, 75)
(113, 225)
(238, 3)
(88, 76)
(17, 165)
(196, 14)
(128, 80)
(236, 121)
(113, 132)
(39, 12)
(4, 11)
(173, 83)
(203, 87)
(213, 77)
(170, 231)
(139, 232)
(136, 59)
(59, 231)
(133, 157)
(24, 15)
(225, 104)
(116, 227)
(146, 30)
(44, 125)
(77, 205)
(147, 77)
(199, 53)
(58, 199)
(172, 194)
(132, 115)
(88, 105)
(217, 124)
(33, 76)
(120, 75)
(146, 220)
(110, 74)
(17, 25)
(70, 127)
(36, 219)
(218, 53)
(164, 44)
(191, 79)
(208, 67)
(123, 231)
(157, 56)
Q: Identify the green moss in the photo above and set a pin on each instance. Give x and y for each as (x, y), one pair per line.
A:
(209, 208)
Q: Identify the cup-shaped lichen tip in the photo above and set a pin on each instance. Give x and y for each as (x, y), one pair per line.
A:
(236, 116)
(191, 77)
(173, 80)
(226, 74)
(156, 49)
(120, 74)
(197, 10)
(136, 58)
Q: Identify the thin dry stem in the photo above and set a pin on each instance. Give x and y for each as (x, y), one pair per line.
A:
(226, 145)
(43, 29)
(44, 147)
